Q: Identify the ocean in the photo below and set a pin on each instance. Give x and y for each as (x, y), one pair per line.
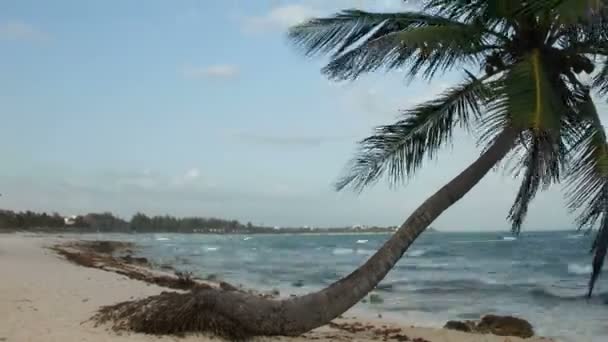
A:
(541, 277)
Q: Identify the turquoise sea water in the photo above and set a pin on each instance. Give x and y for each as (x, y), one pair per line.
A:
(538, 276)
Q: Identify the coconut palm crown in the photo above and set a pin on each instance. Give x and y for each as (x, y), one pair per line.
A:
(543, 63)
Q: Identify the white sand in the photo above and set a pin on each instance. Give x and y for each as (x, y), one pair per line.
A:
(45, 298)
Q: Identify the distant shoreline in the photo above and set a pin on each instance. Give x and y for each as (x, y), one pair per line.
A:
(285, 231)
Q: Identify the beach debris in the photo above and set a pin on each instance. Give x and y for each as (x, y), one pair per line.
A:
(350, 327)
(466, 326)
(420, 339)
(400, 337)
(505, 326)
(384, 332)
(171, 313)
(135, 260)
(166, 267)
(101, 255)
(375, 298)
(228, 287)
(185, 278)
(108, 247)
(496, 325)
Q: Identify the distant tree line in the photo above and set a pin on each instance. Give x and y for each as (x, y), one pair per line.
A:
(29, 219)
(142, 223)
(107, 222)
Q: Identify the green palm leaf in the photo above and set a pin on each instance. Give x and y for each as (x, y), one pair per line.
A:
(344, 30)
(600, 81)
(474, 8)
(588, 183)
(541, 164)
(532, 100)
(399, 149)
(430, 48)
(362, 42)
(568, 11)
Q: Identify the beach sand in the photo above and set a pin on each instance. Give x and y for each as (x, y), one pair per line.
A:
(45, 298)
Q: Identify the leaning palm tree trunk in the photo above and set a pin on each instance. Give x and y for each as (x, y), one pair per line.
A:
(236, 314)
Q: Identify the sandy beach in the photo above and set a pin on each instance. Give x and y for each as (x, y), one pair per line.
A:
(45, 298)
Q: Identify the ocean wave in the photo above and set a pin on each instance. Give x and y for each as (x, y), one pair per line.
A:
(575, 236)
(579, 269)
(600, 298)
(455, 285)
(424, 266)
(416, 253)
(247, 238)
(479, 241)
(211, 249)
(509, 238)
(546, 294)
(342, 251)
(364, 252)
(162, 239)
(362, 241)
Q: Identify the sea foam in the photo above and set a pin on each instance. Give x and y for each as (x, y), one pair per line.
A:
(416, 253)
(574, 268)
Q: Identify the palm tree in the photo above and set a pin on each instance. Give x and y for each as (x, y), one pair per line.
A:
(531, 101)
(532, 92)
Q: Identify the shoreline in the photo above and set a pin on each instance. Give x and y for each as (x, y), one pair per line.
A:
(46, 298)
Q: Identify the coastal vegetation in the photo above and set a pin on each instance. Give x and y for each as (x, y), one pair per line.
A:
(142, 223)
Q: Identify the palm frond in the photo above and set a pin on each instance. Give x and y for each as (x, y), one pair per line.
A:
(345, 29)
(474, 9)
(588, 183)
(541, 164)
(590, 39)
(600, 81)
(569, 11)
(399, 149)
(431, 48)
(532, 100)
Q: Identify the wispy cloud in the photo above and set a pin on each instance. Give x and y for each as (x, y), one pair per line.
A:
(280, 18)
(149, 180)
(189, 177)
(219, 71)
(20, 31)
(283, 16)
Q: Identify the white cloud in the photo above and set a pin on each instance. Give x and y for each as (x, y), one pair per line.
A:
(148, 180)
(280, 18)
(283, 16)
(192, 174)
(189, 177)
(222, 71)
(20, 31)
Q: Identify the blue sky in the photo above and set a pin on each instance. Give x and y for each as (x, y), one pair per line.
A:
(204, 108)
